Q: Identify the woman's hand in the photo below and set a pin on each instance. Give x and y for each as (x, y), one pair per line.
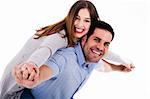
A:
(26, 74)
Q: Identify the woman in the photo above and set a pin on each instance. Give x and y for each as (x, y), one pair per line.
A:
(46, 41)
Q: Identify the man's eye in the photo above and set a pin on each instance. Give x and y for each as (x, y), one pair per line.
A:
(107, 44)
(97, 40)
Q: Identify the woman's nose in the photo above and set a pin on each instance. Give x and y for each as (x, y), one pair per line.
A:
(80, 24)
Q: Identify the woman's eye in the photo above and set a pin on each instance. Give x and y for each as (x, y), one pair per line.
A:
(87, 20)
(77, 18)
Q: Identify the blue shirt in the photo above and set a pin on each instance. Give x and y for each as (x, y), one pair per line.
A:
(70, 73)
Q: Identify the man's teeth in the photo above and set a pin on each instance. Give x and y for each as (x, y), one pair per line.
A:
(96, 52)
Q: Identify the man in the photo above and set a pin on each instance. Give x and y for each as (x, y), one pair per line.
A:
(69, 68)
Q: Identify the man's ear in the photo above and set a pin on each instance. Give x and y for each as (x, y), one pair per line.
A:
(83, 40)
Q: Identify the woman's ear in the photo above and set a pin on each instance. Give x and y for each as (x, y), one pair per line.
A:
(83, 40)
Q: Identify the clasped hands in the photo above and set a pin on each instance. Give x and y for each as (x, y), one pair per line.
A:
(26, 74)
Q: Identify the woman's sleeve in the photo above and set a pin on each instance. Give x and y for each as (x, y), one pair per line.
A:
(49, 46)
(113, 58)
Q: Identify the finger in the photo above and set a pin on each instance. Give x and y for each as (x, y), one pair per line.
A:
(36, 73)
(19, 74)
(32, 75)
(30, 69)
(16, 78)
(25, 71)
(36, 78)
(18, 70)
(30, 66)
(127, 69)
(37, 70)
(33, 69)
(132, 66)
(25, 74)
(14, 72)
(23, 66)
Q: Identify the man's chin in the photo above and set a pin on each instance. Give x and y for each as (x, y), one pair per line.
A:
(94, 60)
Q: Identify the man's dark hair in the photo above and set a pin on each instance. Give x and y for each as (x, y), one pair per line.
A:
(101, 25)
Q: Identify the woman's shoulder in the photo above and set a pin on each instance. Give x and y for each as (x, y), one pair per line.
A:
(62, 32)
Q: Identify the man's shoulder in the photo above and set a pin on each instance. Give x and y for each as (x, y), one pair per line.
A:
(66, 51)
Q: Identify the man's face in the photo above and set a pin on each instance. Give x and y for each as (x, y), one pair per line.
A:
(96, 45)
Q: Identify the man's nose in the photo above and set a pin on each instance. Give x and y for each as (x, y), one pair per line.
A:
(100, 46)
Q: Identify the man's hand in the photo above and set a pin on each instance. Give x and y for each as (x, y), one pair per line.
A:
(26, 74)
(122, 68)
(126, 68)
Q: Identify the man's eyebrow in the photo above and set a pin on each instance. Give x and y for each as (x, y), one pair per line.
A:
(97, 38)
(107, 42)
(100, 39)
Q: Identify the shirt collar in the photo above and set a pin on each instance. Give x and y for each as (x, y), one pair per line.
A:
(80, 54)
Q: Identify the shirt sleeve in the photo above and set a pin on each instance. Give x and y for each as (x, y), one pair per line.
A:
(56, 63)
(102, 67)
(113, 58)
(49, 46)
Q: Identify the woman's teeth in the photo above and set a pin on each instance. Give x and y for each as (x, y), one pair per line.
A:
(79, 30)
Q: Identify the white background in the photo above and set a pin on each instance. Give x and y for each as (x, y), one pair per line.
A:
(130, 19)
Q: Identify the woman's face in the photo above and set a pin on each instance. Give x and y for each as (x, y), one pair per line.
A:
(82, 23)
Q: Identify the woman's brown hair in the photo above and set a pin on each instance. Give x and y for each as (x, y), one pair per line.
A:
(68, 22)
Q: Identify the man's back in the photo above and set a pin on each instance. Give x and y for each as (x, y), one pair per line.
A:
(72, 73)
